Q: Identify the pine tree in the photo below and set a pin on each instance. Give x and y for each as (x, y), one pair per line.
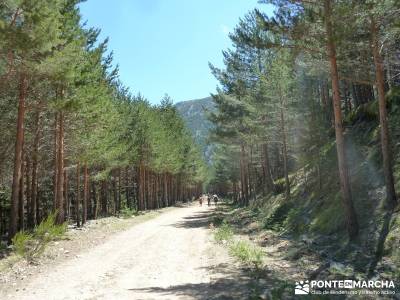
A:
(29, 34)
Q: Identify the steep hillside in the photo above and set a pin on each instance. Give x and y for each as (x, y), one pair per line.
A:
(194, 112)
(313, 216)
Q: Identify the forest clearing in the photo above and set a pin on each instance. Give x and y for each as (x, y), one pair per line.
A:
(110, 186)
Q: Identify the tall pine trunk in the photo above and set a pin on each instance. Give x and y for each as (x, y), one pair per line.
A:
(383, 117)
(140, 187)
(65, 195)
(268, 180)
(119, 191)
(28, 191)
(115, 194)
(34, 183)
(60, 171)
(104, 198)
(284, 145)
(55, 177)
(127, 194)
(246, 177)
(21, 196)
(244, 180)
(78, 195)
(85, 193)
(350, 214)
(96, 202)
(19, 140)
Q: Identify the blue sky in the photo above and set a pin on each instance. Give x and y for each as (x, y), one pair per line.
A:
(164, 46)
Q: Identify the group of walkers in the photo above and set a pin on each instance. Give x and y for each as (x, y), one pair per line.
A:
(208, 197)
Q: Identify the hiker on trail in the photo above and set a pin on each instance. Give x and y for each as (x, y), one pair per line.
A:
(215, 198)
(201, 200)
(208, 200)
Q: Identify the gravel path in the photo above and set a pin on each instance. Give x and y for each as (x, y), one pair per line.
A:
(169, 257)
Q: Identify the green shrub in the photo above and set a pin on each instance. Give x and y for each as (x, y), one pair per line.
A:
(217, 220)
(329, 218)
(279, 186)
(281, 290)
(32, 245)
(277, 217)
(22, 242)
(48, 230)
(365, 112)
(3, 246)
(296, 221)
(393, 99)
(127, 212)
(223, 233)
(247, 253)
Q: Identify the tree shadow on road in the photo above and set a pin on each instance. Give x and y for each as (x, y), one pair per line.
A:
(198, 220)
(218, 290)
(228, 280)
(229, 283)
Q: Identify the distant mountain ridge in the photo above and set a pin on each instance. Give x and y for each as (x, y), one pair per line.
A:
(194, 113)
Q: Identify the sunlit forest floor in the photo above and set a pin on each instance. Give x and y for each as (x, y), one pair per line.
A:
(287, 258)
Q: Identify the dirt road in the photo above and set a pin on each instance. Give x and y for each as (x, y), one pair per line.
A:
(169, 257)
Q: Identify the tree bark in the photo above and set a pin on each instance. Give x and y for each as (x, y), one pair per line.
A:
(91, 199)
(252, 176)
(166, 190)
(115, 194)
(140, 186)
(56, 141)
(28, 191)
(284, 145)
(244, 176)
(96, 202)
(60, 172)
(21, 196)
(242, 183)
(128, 202)
(383, 117)
(17, 157)
(104, 197)
(119, 191)
(65, 195)
(269, 182)
(78, 195)
(35, 153)
(350, 214)
(85, 193)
